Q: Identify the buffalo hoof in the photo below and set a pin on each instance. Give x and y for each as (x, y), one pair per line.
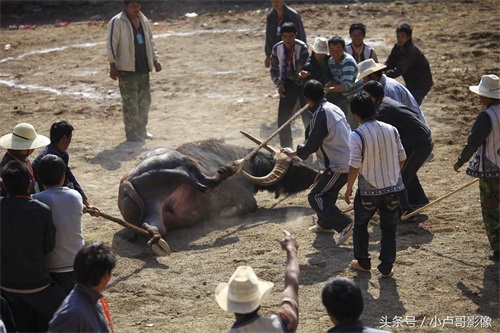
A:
(161, 248)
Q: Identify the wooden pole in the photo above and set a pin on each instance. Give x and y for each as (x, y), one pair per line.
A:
(404, 216)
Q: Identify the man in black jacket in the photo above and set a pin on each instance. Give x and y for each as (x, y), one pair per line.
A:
(407, 59)
(416, 140)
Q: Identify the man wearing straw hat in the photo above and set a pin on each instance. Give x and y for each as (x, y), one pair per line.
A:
(20, 144)
(483, 145)
(369, 70)
(244, 293)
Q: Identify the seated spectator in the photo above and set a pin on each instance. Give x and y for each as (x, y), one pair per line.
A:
(244, 293)
(343, 302)
(85, 309)
(28, 234)
(357, 48)
(61, 133)
(66, 206)
(20, 144)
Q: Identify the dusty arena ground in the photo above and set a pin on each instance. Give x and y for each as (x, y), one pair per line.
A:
(214, 84)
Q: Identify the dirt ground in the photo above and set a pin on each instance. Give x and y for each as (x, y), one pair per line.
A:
(214, 84)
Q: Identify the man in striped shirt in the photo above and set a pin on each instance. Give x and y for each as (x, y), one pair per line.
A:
(377, 156)
(288, 58)
(344, 70)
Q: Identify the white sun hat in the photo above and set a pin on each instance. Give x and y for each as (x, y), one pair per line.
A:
(243, 293)
(23, 137)
(320, 45)
(367, 67)
(489, 86)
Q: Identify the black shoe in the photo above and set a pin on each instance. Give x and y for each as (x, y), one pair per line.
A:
(134, 137)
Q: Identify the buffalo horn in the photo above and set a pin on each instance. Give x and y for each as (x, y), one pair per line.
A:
(280, 168)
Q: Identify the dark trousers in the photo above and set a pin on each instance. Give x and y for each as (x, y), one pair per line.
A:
(364, 209)
(419, 93)
(32, 312)
(65, 280)
(293, 93)
(323, 197)
(413, 194)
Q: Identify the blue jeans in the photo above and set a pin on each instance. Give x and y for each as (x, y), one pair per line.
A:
(323, 198)
(364, 209)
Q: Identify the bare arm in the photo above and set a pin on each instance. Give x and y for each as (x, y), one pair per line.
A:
(292, 271)
(353, 174)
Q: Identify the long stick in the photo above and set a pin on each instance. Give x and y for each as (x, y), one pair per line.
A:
(404, 217)
(265, 142)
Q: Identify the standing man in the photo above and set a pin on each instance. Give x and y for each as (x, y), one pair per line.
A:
(61, 133)
(328, 136)
(369, 70)
(132, 55)
(66, 206)
(407, 59)
(279, 15)
(27, 235)
(344, 70)
(357, 48)
(377, 156)
(288, 58)
(483, 145)
(416, 140)
(85, 309)
(244, 293)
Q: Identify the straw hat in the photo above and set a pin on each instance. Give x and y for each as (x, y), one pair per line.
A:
(243, 293)
(367, 67)
(320, 45)
(488, 87)
(24, 137)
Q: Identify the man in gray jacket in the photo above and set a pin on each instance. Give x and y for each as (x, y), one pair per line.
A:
(132, 54)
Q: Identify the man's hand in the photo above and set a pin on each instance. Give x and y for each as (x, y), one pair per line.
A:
(456, 167)
(304, 74)
(113, 71)
(267, 62)
(289, 243)
(157, 66)
(281, 91)
(288, 151)
(347, 196)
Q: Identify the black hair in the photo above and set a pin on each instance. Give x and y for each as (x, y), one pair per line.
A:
(314, 90)
(50, 170)
(336, 40)
(127, 2)
(288, 27)
(16, 178)
(59, 129)
(358, 26)
(363, 106)
(92, 263)
(343, 299)
(404, 27)
(375, 89)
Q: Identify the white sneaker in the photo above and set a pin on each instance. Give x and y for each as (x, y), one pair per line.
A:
(345, 234)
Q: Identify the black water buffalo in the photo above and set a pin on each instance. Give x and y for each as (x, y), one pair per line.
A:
(170, 189)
